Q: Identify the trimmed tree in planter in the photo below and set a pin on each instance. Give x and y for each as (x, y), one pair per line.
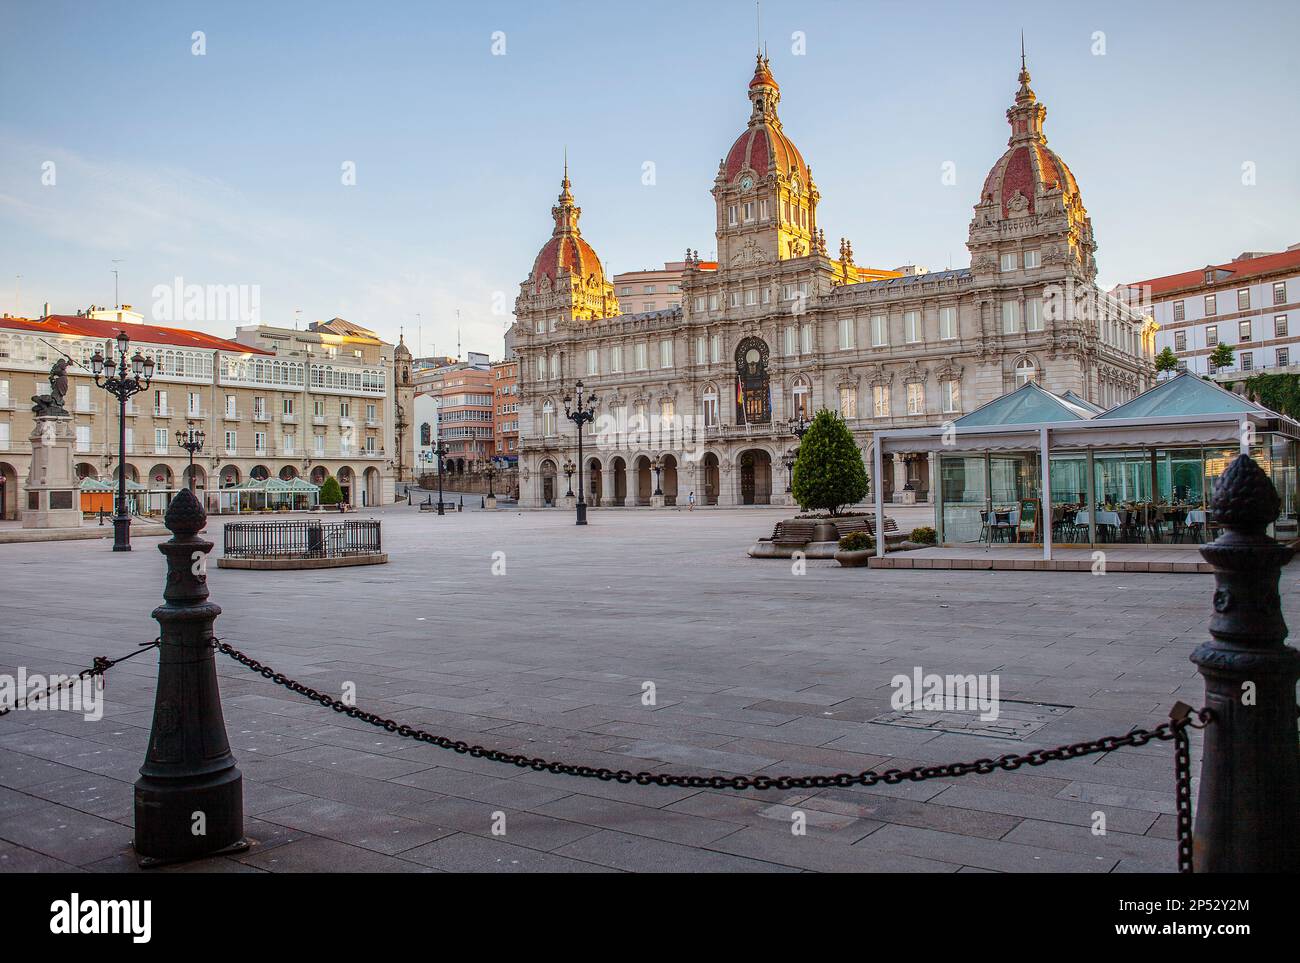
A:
(828, 474)
(330, 492)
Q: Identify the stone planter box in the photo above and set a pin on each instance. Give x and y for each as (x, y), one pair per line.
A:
(855, 559)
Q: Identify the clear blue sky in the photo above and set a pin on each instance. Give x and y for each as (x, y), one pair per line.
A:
(225, 168)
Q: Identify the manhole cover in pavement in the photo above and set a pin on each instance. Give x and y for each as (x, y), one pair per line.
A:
(1015, 720)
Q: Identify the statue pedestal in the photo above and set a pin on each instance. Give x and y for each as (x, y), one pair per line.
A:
(53, 492)
(656, 501)
(569, 501)
(490, 502)
(905, 497)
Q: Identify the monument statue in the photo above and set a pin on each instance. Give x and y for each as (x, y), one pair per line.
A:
(52, 403)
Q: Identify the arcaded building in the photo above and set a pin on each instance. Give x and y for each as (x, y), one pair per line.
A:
(700, 398)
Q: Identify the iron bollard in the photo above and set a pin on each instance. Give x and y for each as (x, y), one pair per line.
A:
(1248, 811)
(189, 799)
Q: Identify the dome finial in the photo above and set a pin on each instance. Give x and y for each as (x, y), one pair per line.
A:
(1024, 95)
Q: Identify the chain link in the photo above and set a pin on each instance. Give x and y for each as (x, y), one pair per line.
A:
(100, 666)
(1181, 716)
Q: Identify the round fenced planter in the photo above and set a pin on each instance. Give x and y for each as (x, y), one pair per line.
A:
(279, 546)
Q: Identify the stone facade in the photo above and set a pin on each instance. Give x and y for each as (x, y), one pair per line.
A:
(277, 401)
(700, 398)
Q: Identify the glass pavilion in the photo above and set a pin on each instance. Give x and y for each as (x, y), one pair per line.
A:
(1141, 473)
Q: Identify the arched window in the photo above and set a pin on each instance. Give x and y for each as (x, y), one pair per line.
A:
(548, 418)
(1025, 372)
(801, 406)
(711, 409)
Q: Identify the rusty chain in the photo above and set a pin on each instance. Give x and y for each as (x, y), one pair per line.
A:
(100, 666)
(1181, 717)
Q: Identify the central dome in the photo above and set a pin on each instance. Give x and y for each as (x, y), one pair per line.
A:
(763, 147)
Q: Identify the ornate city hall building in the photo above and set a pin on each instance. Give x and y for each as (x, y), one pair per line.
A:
(700, 398)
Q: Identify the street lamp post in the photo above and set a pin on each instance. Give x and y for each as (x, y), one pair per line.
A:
(491, 472)
(440, 450)
(580, 414)
(569, 467)
(658, 467)
(113, 377)
(191, 439)
(788, 458)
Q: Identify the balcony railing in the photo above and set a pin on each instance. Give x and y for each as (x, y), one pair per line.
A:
(231, 416)
(162, 411)
(289, 418)
(261, 416)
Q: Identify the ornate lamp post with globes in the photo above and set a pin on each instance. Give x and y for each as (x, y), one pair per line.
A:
(191, 439)
(569, 469)
(440, 450)
(581, 413)
(114, 378)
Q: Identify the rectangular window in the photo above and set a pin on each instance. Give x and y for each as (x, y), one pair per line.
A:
(701, 350)
(911, 326)
(1031, 260)
(667, 412)
(259, 442)
(231, 443)
(555, 366)
(593, 361)
(699, 303)
(160, 441)
(805, 339)
(1180, 310)
(4, 435)
(715, 348)
(345, 410)
(160, 403)
(790, 341)
(1211, 335)
(731, 215)
(1279, 326)
(951, 396)
(130, 439)
(641, 363)
(1243, 330)
(767, 295)
(1243, 299)
(749, 211)
(1247, 360)
(848, 402)
(762, 209)
(83, 437)
(647, 289)
(318, 442)
(880, 401)
(846, 334)
(879, 331)
(287, 444)
(1279, 292)
(915, 398)
(616, 359)
(230, 406)
(947, 323)
(1180, 340)
(751, 297)
(1283, 357)
(734, 299)
(1034, 314)
(541, 367)
(713, 302)
(371, 414)
(1010, 317)
(1009, 261)
(83, 397)
(286, 406)
(665, 354)
(1210, 302)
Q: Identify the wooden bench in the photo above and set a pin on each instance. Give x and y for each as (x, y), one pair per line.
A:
(892, 534)
(793, 531)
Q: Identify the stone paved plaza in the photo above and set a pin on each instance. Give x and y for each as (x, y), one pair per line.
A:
(756, 669)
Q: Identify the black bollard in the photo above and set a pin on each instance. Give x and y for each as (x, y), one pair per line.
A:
(189, 800)
(1248, 811)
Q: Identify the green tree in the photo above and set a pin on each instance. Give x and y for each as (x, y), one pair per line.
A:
(1166, 360)
(1222, 356)
(829, 474)
(330, 492)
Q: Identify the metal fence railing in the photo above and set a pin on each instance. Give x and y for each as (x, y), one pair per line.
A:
(302, 539)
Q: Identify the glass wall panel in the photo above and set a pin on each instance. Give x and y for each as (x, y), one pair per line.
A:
(1204, 527)
(1122, 491)
(1180, 496)
(1069, 496)
(964, 482)
(1283, 455)
(1012, 477)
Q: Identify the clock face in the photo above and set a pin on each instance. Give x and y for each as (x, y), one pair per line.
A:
(747, 182)
(794, 185)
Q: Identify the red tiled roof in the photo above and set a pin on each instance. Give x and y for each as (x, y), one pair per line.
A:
(73, 326)
(1237, 271)
(1024, 168)
(566, 252)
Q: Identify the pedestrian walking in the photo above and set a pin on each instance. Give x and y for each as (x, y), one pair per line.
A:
(690, 501)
